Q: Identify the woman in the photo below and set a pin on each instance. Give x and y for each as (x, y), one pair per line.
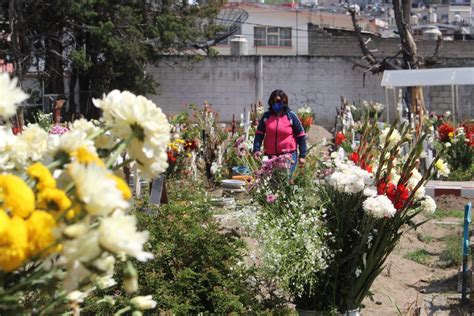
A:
(281, 131)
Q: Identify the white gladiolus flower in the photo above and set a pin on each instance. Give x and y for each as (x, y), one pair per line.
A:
(395, 137)
(379, 206)
(143, 302)
(105, 282)
(36, 141)
(96, 189)
(12, 96)
(428, 204)
(119, 234)
(129, 114)
(76, 296)
(442, 168)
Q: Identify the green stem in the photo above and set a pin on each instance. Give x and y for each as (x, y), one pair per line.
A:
(123, 311)
(121, 146)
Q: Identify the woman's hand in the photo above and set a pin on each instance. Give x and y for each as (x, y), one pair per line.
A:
(301, 162)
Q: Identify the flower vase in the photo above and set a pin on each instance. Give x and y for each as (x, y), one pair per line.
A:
(352, 312)
(309, 312)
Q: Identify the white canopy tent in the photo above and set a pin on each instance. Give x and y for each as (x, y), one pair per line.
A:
(453, 77)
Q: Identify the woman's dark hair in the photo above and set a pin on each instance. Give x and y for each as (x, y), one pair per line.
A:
(278, 93)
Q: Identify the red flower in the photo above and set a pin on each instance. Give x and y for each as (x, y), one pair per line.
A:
(340, 138)
(16, 130)
(190, 145)
(398, 195)
(354, 157)
(444, 130)
(171, 157)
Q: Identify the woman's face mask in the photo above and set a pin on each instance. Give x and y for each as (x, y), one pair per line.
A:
(277, 106)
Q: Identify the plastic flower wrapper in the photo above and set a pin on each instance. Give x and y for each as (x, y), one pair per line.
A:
(64, 220)
(372, 197)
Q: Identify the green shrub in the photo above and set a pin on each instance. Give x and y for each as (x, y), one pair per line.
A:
(198, 266)
(420, 256)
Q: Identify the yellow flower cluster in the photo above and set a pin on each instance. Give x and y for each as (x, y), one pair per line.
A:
(25, 231)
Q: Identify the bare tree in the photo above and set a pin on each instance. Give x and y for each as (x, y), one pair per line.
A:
(410, 58)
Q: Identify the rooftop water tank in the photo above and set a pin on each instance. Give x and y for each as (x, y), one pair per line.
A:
(239, 46)
(457, 19)
(414, 20)
(433, 17)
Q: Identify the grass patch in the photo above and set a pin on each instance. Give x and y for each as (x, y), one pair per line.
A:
(420, 256)
(446, 213)
(424, 238)
(451, 254)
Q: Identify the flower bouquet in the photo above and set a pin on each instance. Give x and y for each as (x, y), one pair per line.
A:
(64, 220)
(306, 116)
(370, 200)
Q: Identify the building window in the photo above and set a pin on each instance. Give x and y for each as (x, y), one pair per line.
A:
(272, 36)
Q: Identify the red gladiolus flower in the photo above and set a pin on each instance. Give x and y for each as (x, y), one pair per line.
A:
(398, 195)
(354, 157)
(340, 138)
(444, 130)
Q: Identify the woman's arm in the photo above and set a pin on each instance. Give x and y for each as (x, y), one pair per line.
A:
(259, 135)
(299, 134)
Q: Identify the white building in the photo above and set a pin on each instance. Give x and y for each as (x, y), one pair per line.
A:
(280, 30)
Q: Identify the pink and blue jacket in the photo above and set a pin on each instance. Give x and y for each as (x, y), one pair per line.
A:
(281, 134)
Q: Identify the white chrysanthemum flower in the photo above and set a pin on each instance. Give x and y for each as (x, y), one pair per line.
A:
(350, 179)
(428, 204)
(7, 148)
(11, 96)
(87, 126)
(379, 206)
(143, 302)
(395, 137)
(119, 234)
(442, 168)
(69, 142)
(36, 141)
(371, 191)
(127, 113)
(96, 189)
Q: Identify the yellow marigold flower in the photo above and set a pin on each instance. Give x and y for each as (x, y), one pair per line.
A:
(451, 134)
(84, 156)
(53, 200)
(17, 196)
(13, 242)
(122, 186)
(42, 175)
(40, 227)
(180, 141)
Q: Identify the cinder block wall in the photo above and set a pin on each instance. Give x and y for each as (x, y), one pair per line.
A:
(230, 83)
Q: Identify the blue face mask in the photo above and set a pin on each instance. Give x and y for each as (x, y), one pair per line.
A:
(277, 106)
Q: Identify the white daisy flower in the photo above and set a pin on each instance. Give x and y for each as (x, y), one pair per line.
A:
(119, 234)
(395, 137)
(96, 189)
(11, 96)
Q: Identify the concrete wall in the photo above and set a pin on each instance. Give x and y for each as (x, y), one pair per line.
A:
(231, 83)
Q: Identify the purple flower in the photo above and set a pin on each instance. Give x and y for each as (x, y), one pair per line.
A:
(271, 198)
